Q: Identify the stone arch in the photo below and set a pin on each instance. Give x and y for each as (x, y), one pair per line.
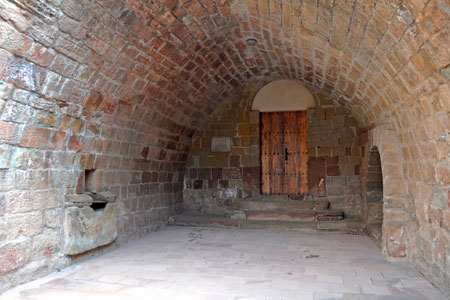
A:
(396, 233)
(186, 57)
(290, 95)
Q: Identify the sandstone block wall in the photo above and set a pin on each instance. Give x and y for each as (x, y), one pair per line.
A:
(215, 181)
(84, 78)
(74, 98)
(335, 156)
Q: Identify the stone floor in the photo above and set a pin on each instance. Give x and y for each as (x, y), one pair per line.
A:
(197, 263)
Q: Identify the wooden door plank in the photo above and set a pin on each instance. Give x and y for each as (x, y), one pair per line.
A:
(280, 131)
(265, 150)
(304, 153)
(277, 166)
(296, 165)
(271, 153)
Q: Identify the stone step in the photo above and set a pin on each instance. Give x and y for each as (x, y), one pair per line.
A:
(282, 205)
(210, 221)
(273, 197)
(290, 215)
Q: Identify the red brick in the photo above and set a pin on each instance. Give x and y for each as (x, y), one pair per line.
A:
(235, 161)
(9, 132)
(224, 184)
(41, 55)
(146, 177)
(357, 171)
(333, 171)
(217, 173)
(94, 100)
(57, 140)
(35, 137)
(75, 144)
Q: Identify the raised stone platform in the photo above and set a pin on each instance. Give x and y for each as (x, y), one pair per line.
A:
(214, 221)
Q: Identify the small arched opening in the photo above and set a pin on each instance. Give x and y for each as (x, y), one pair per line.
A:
(374, 195)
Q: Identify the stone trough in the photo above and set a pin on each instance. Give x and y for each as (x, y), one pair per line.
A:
(90, 221)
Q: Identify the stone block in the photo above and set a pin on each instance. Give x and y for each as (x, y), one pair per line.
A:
(244, 130)
(204, 173)
(24, 74)
(335, 181)
(323, 151)
(323, 140)
(320, 113)
(16, 112)
(86, 229)
(232, 173)
(19, 202)
(5, 90)
(330, 112)
(198, 184)
(47, 199)
(335, 191)
(220, 144)
(235, 161)
(94, 181)
(52, 218)
(14, 255)
(338, 151)
(27, 224)
(333, 171)
(216, 173)
(350, 122)
(46, 244)
(6, 156)
(317, 176)
(78, 200)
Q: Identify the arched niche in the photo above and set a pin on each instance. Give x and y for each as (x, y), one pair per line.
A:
(283, 95)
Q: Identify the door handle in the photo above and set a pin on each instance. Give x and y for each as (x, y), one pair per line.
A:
(286, 154)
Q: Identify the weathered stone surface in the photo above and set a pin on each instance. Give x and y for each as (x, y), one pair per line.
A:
(79, 200)
(163, 68)
(5, 90)
(85, 229)
(220, 144)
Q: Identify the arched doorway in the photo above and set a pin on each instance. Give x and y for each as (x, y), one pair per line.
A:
(283, 105)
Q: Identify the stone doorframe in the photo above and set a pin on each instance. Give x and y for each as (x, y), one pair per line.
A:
(397, 205)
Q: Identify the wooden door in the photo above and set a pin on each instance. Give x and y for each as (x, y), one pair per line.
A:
(284, 153)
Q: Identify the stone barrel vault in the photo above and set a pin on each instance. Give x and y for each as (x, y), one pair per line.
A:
(106, 96)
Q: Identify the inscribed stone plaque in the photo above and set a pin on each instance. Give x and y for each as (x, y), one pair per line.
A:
(220, 144)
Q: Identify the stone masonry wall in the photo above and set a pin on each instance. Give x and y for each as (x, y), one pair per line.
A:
(142, 76)
(215, 181)
(75, 97)
(335, 156)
